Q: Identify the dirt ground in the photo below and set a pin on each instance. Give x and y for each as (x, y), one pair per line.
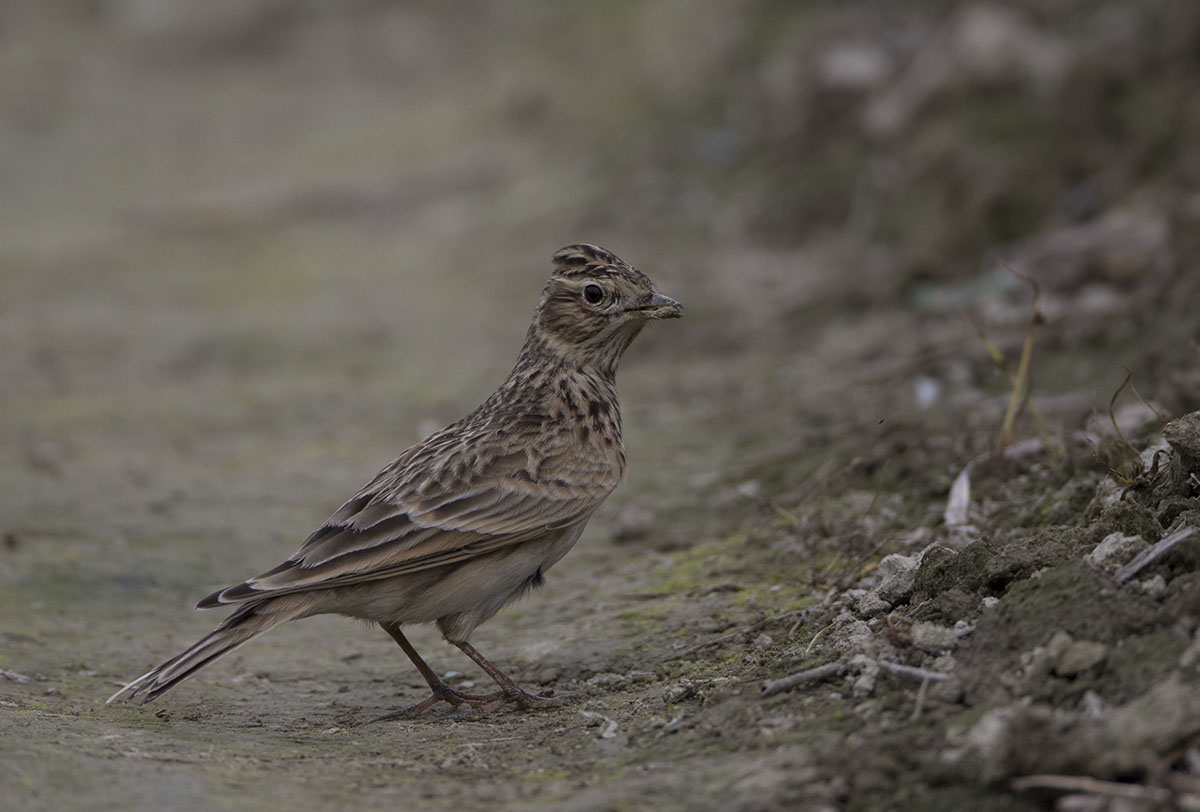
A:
(896, 533)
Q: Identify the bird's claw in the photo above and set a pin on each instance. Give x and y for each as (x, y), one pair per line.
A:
(526, 701)
(482, 704)
(443, 693)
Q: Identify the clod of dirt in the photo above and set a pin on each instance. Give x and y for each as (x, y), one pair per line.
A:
(933, 638)
(1157, 721)
(1184, 437)
(988, 750)
(989, 566)
(1020, 738)
(851, 636)
(1155, 587)
(1127, 516)
(1068, 657)
(1183, 472)
(1183, 602)
(1062, 599)
(869, 604)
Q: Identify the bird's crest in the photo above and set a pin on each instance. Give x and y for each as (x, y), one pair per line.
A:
(588, 260)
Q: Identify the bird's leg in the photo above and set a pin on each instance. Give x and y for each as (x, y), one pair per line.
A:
(511, 692)
(441, 691)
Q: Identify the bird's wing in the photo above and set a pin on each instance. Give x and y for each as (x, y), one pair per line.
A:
(446, 500)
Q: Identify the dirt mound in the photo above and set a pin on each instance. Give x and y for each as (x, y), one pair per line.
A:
(1051, 651)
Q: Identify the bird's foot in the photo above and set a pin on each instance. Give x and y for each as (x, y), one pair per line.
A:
(481, 703)
(444, 693)
(525, 701)
(509, 693)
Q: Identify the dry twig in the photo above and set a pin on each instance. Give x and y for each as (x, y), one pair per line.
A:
(1148, 557)
(925, 676)
(912, 672)
(1094, 786)
(821, 672)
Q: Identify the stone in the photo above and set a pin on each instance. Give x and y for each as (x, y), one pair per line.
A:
(1115, 551)
(897, 573)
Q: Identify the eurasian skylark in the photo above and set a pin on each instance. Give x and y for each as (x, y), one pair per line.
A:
(471, 517)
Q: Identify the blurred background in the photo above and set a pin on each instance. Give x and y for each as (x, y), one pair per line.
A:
(249, 249)
(282, 222)
(337, 208)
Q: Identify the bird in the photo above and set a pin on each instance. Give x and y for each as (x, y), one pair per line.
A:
(470, 518)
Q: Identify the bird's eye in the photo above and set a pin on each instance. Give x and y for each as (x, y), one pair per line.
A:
(593, 294)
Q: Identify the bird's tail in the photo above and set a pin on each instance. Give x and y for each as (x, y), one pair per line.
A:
(248, 622)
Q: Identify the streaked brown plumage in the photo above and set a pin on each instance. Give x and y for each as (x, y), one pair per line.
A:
(470, 518)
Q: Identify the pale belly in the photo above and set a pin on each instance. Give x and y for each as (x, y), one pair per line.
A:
(457, 596)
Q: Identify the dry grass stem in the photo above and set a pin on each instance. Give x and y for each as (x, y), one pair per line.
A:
(922, 694)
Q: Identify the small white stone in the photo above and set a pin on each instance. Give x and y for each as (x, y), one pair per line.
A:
(1115, 551)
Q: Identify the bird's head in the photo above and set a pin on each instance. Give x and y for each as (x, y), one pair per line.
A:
(595, 304)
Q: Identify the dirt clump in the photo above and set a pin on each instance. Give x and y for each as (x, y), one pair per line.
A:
(1030, 651)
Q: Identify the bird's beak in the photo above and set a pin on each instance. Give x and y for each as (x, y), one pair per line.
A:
(659, 307)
